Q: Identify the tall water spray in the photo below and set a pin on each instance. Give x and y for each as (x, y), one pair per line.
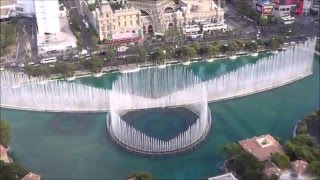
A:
(22, 92)
(163, 82)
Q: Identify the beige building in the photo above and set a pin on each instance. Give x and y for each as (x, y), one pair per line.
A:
(122, 24)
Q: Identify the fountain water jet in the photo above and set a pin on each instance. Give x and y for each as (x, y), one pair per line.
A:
(19, 91)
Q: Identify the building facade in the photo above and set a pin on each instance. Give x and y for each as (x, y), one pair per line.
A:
(114, 25)
(137, 18)
(189, 15)
(25, 8)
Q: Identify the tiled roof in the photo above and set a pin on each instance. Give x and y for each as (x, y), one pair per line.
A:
(31, 176)
(228, 176)
(270, 169)
(261, 147)
(299, 166)
(3, 151)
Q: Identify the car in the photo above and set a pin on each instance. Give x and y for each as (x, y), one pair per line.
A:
(21, 65)
(31, 63)
(292, 43)
(65, 57)
(1, 68)
(13, 64)
(36, 65)
(51, 65)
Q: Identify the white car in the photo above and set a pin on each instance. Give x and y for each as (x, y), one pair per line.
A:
(31, 63)
(21, 65)
(51, 65)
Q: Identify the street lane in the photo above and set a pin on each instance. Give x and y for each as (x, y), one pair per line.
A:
(86, 42)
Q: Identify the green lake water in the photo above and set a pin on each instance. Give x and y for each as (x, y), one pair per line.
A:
(77, 146)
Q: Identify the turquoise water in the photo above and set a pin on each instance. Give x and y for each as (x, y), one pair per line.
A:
(161, 123)
(76, 146)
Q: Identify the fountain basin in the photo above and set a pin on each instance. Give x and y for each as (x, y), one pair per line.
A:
(142, 132)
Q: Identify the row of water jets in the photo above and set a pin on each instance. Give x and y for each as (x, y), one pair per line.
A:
(172, 86)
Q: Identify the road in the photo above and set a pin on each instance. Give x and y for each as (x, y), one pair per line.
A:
(32, 37)
(21, 41)
(71, 6)
(27, 26)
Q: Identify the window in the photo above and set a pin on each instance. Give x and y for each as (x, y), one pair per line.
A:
(288, 9)
(119, 24)
(131, 23)
(125, 23)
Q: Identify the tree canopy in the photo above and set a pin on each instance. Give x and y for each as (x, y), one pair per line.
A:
(243, 163)
(233, 46)
(111, 55)
(141, 176)
(188, 52)
(281, 160)
(159, 56)
(5, 133)
(11, 171)
(304, 147)
(252, 46)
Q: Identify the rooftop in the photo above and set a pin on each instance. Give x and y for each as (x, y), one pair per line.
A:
(228, 176)
(31, 176)
(262, 147)
(270, 169)
(3, 151)
(299, 166)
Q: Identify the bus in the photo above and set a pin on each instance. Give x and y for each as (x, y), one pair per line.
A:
(48, 60)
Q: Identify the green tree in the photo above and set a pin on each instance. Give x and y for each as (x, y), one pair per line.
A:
(141, 176)
(274, 177)
(11, 171)
(274, 44)
(240, 44)
(232, 47)
(263, 21)
(159, 56)
(170, 52)
(252, 46)
(314, 168)
(233, 149)
(188, 52)
(271, 20)
(96, 64)
(281, 160)
(67, 69)
(110, 54)
(247, 166)
(172, 33)
(142, 54)
(5, 133)
(195, 46)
